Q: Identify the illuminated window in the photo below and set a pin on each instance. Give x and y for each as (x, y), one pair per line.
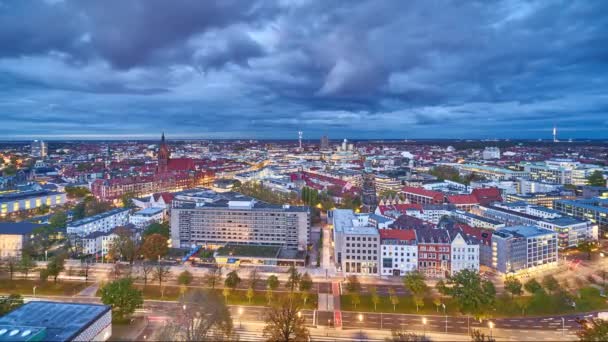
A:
(16, 206)
(38, 202)
(27, 204)
(48, 201)
(57, 199)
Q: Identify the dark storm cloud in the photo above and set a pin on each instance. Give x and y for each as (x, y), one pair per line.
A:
(266, 69)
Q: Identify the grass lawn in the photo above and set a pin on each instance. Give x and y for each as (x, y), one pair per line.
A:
(538, 305)
(48, 288)
(237, 297)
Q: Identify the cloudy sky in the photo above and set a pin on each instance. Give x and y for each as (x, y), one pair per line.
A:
(264, 69)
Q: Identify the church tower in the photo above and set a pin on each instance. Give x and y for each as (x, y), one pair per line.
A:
(163, 155)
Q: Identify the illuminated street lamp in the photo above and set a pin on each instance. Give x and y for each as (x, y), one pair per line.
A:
(424, 325)
(241, 318)
(360, 317)
(491, 325)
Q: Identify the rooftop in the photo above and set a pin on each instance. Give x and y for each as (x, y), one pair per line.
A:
(149, 211)
(347, 222)
(524, 231)
(90, 219)
(17, 228)
(19, 195)
(62, 321)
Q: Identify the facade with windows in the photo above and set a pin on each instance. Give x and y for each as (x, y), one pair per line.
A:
(434, 248)
(593, 209)
(356, 243)
(14, 202)
(213, 220)
(103, 222)
(398, 251)
(464, 253)
(520, 249)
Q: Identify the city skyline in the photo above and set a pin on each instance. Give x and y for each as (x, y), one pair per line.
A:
(266, 70)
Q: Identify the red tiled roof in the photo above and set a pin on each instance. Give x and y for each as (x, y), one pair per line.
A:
(402, 208)
(181, 164)
(487, 195)
(166, 196)
(422, 192)
(462, 199)
(398, 234)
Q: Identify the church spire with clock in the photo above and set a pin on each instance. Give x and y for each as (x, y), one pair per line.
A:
(163, 155)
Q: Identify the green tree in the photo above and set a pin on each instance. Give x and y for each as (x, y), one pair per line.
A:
(596, 178)
(55, 266)
(272, 282)
(161, 273)
(533, 286)
(478, 336)
(513, 286)
(213, 277)
(158, 228)
(124, 246)
(184, 278)
(352, 284)
(293, 279)
(374, 296)
(394, 299)
(416, 284)
(593, 330)
(226, 293)
(355, 299)
(269, 295)
(127, 200)
(550, 283)
(473, 295)
(441, 288)
(232, 280)
(58, 221)
(10, 303)
(12, 264)
(26, 265)
(284, 323)
(123, 297)
(405, 336)
(250, 294)
(305, 282)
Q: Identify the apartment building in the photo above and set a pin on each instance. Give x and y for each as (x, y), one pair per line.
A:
(398, 251)
(203, 217)
(143, 218)
(434, 247)
(103, 222)
(422, 196)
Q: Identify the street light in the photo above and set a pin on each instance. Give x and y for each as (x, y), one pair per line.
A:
(360, 317)
(563, 325)
(34, 289)
(184, 307)
(446, 318)
(491, 325)
(240, 318)
(424, 325)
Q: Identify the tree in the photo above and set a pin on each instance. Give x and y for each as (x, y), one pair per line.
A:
(305, 282)
(437, 302)
(596, 178)
(184, 278)
(154, 247)
(76, 191)
(375, 298)
(58, 221)
(12, 265)
(586, 247)
(213, 277)
(204, 317)
(250, 294)
(272, 282)
(594, 329)
(513, 286)
(293, 279)
(146, 270)
(355, 299)
(232, 280)
(393, 298)
(415, 283)
(253, 277)
(533, 286)
(550, 283)
(478, 336)
(353, 284)
(85, 266)
(441, 288)
(26, 265)
(55, 266)
(473, 295)
(123, 297)
(127, 200)
(161, 272)
(269, 295)
(226, 293)
(283, 323)
(10, 303)
(158, 228)
(123, 247)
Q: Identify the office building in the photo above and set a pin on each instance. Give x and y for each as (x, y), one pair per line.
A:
(38, 149)
(491, 153)
(103, 222)
(57, 321)
(356, 243)
(13, 202)
(520, 249)
(543, 199)
(143, 218)
(592, 209)
(13, 236)
(203, 217)
(324, 143)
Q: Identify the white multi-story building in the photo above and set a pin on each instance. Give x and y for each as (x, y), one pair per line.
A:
(520, 249)
(356, 243)
(398, 251)
(145, 217)
(99, 243)
(464, 254)
(491, 153)
(13, 202)
(103, 222)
